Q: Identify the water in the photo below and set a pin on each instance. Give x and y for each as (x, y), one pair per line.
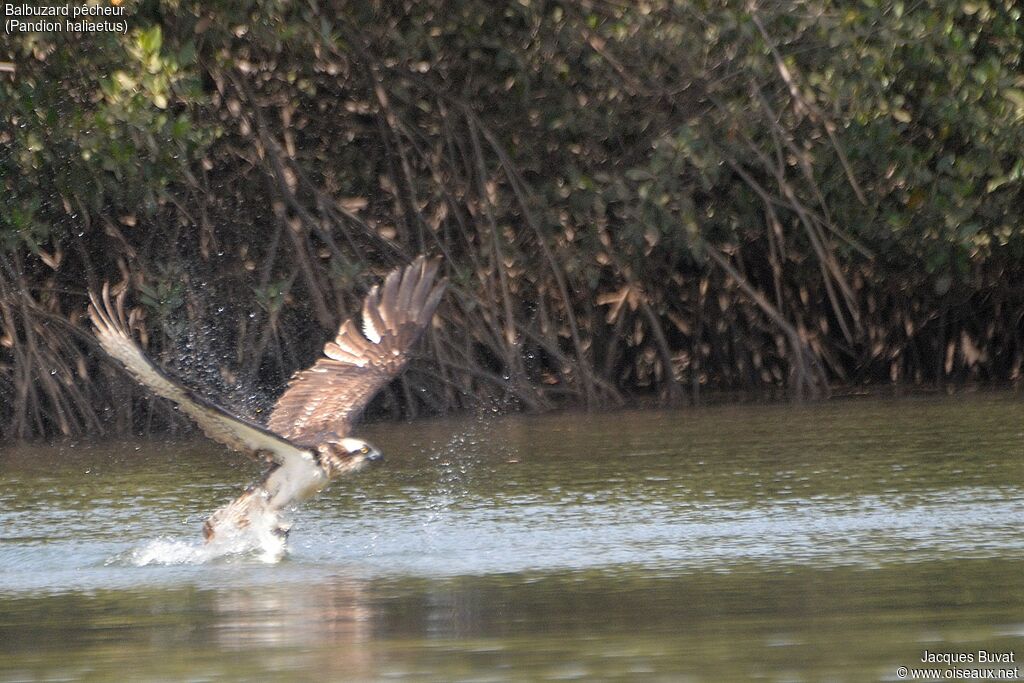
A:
(832, 542)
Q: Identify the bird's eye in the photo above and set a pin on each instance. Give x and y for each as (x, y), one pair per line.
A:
(364, 450)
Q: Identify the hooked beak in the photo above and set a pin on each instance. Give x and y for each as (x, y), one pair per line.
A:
(375, 457)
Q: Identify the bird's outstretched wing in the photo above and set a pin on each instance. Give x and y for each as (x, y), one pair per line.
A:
(324, 400)
(112, 332)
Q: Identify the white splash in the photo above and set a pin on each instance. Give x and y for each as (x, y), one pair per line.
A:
(258, 539)
(166, 551)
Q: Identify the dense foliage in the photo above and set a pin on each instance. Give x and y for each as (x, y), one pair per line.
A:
(631, 198)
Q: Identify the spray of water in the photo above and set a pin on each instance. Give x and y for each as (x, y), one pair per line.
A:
(258, 539)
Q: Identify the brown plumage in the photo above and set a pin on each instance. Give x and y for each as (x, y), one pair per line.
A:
(324, 400)
(307, 436)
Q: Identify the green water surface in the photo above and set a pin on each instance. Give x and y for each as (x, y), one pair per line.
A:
(831, 542)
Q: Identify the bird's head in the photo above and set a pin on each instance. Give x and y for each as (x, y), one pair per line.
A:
(347, 455)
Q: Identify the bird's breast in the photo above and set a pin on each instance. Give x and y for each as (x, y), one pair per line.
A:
(294, 483)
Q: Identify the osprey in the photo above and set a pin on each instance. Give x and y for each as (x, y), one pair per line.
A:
(307, 437)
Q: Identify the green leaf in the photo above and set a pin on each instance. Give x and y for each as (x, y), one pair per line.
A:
(1015, 96)
(151, 40)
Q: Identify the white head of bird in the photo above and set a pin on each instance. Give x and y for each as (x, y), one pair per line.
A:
(347, 455)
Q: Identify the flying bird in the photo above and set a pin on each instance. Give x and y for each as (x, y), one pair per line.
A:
(307, 438)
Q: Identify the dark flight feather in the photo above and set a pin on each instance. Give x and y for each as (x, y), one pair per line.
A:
(112, 332)
(323, 401)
